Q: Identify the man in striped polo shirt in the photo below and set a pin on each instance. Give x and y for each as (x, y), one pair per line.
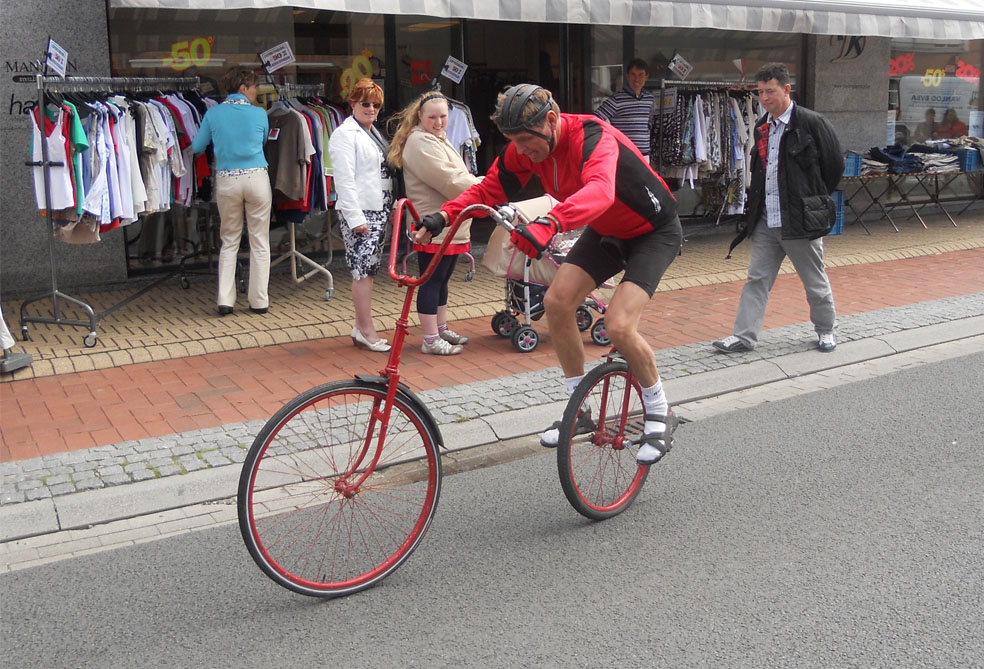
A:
(631, 109)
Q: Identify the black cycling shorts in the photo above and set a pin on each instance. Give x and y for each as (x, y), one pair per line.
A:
(644, 258)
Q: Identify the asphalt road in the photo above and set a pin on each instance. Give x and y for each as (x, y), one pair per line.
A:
(839, 528)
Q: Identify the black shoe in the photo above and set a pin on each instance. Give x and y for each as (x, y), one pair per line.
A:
(730, 344)
(260, 310)
(224, 310)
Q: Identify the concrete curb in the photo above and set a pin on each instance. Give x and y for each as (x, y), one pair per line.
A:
(84, 509)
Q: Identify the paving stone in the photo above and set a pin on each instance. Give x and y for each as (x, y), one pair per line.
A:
(12, 497)
(62, 489)
(168, 470)
(89, 483)
(116, 479)
(143, 474)
(191, 463)
(215, 459)
(36, 493)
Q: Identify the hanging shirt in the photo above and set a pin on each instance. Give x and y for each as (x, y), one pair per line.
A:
(62, 191)
(772, 207)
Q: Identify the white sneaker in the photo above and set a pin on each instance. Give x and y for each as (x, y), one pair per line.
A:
(440, 347)
(453, 337)
(827, 342)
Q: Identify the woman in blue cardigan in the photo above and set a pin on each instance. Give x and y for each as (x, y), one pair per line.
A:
(238, 130)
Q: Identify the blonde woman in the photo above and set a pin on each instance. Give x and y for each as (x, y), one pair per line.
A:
(365, 200)
(433, 172)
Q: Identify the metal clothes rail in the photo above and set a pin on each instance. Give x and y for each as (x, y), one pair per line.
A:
(84, 84)
(297, 259)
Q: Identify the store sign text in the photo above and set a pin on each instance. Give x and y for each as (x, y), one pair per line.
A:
(15, 67)
(361, 69)
(901, 64)
(967, 72)
(186, 53)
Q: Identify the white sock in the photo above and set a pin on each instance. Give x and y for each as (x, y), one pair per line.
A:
(552, 435)
(655, 402)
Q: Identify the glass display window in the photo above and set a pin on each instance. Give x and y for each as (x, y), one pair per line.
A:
(716, 55)
(935, 89)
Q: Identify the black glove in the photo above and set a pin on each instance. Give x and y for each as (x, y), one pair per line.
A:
(433, 223)
(534, 237)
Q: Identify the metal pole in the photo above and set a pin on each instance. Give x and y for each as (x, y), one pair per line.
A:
(46, 172)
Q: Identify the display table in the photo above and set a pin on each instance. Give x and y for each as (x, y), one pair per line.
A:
(915, 191)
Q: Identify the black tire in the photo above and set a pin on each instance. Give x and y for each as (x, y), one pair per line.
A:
(525, 339)
(309, 519)
(497, 319)
(507, 325)
(597, 470)
(584, 318)
(599, 333)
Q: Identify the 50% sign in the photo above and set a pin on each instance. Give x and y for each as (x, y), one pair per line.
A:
(186, 53)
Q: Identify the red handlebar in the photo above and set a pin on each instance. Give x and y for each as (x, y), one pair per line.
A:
(398, 210)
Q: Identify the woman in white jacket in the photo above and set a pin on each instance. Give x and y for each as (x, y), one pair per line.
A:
(433, 172)
(365, 199)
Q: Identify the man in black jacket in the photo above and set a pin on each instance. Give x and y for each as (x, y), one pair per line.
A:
(796, 164)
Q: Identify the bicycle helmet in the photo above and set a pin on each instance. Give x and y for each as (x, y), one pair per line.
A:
(509, 119)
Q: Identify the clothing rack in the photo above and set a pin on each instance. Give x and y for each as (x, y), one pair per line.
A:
(694, 85)
(95, 84)
(297, 259)
(289, 90)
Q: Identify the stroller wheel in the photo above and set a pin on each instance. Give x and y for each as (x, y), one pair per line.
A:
(583, 317)
(599, 334)
(507, 325)
(525, 339)
(497, 319)
(469, 275)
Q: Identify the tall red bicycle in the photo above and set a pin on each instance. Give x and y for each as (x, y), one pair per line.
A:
(341, 484)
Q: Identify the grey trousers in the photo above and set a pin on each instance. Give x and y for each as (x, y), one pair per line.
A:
(768, 252)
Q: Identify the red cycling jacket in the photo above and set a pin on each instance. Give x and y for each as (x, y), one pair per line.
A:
(596, 172)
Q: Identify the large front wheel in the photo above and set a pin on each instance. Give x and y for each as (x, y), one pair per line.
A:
(328, 503)
(596, 454)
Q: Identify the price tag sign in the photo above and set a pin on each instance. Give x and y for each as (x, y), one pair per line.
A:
(454, 69)
(277, 57)
(668, 100)
(680, 67)
(56, 58)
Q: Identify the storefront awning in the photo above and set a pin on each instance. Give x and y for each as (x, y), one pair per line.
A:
(922, 19)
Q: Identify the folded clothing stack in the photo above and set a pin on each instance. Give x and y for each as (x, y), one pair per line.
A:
(871, 166)
(934, 161)
(899, 161)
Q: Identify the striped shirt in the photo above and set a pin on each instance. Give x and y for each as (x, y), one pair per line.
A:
(630, 114)
(777, 127)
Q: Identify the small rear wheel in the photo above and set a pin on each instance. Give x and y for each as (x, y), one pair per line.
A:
(525, 339)
(599, 333)
(497, 319)
(507, 325)
(597, 469)
(326, 506)
(583, 316)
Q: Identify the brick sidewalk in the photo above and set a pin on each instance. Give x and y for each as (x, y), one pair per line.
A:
(64, 412)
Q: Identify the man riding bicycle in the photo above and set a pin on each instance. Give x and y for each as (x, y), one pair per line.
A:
(604, 183)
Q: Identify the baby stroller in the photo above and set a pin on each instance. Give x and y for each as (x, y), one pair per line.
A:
(527, 281)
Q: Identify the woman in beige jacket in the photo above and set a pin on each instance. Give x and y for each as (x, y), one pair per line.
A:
(433, 173)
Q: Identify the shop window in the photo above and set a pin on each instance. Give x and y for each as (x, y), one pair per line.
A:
(934, 89)
(606, 63)
(331, 48)
(716, 55)
(423, 44)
